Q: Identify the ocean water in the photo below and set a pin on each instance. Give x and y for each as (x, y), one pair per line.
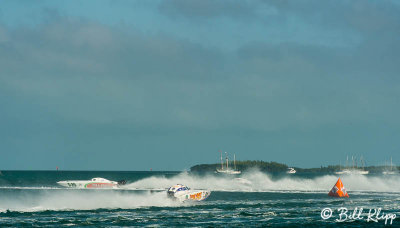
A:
(32, 198)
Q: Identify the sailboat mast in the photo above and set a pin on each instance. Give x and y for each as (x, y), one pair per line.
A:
(355, 159)
(362, 162)
(234, 160)
(222, 163)
(227, 161)
(391, 164)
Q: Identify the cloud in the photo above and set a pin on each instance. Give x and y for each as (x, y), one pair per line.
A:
(84, 71)
(302, 75)
(364, 16)
(207, 9)
(91, 72)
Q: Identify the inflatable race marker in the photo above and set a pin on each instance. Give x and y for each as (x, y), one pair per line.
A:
(338, 190)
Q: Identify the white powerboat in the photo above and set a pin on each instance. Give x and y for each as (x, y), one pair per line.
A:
(94, 183)
(291, 170)
(183, 193)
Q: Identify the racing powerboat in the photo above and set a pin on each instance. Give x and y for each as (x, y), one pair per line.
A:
(183, 193)
(94, 183)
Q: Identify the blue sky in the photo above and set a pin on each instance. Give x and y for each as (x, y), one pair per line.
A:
(134, 85)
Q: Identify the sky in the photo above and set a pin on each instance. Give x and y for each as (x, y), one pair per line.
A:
(164, 85)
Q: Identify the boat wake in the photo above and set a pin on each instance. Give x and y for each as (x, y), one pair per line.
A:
(33, 201)
(261, 182)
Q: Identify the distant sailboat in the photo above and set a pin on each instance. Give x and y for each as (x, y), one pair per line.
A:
(391, 171)
(228, 170)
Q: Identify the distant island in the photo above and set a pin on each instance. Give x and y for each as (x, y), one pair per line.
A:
(275, 167)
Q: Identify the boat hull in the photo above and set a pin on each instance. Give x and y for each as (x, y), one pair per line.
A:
(229, 171)
(199, 195)
(389, 173)
(356, 172)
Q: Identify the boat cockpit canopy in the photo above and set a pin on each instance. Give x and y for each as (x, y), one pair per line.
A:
(178, 188)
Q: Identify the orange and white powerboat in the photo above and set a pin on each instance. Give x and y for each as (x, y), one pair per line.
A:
(183, 193)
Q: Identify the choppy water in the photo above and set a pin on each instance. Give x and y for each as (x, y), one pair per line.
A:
(32, 198)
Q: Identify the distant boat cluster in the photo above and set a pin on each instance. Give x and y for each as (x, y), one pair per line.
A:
(226, 169)
(354, 166)
(355, 169)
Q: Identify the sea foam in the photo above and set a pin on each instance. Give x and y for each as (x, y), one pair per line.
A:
(258, 182)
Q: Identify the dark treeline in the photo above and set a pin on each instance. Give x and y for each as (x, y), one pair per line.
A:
(243, 166)
(278, 167)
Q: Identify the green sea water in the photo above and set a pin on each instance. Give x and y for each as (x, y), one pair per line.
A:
(33, 199)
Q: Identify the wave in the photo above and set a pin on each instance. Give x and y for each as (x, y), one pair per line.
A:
(259, 182)
(31, 188)
(32, 199)
(83, 200)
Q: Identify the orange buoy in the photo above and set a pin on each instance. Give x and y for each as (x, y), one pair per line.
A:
(338, 190)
